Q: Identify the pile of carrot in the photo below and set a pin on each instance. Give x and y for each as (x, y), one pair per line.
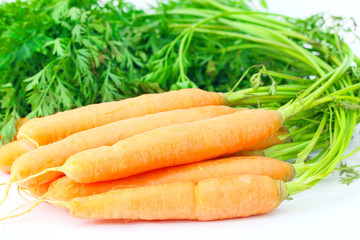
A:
(185, 154)
(178, 155)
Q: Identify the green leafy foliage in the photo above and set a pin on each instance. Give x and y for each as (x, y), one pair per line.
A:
(60, 54)
(348, 174)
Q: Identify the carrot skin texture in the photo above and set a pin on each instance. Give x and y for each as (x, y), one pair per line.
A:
(9, 153)
(63, 189)
(210, 199)
(39, 190)
(60, 125)
(173, 145)
(271, 141)
(256, 150)
(55, 154)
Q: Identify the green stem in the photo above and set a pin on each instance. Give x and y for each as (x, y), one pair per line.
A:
(281, 150)
(309, 147)
(257, 14)
(348, 167)
(244, 37)
(300, 104)
(284, 90)
(344, 126)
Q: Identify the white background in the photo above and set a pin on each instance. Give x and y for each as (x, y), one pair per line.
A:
(330, 209)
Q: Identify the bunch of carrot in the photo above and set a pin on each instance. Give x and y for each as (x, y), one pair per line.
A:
(173, 155)
(157, 156)
(188, 154)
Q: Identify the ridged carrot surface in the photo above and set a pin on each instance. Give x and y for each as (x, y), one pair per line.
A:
(63, 189)
(173, 145)
(9, 153)
(42, 131)
(271, 141)
(40, 190)
(210, 199)
(257, 149)
(55, 154)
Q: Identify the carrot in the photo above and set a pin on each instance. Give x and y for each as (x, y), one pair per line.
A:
(39, 190)
(210, 199)
(9, 153)
(168, 146)
(55, 154)
(257, 149)
(42, 131)
(63, 189)
(273, 140)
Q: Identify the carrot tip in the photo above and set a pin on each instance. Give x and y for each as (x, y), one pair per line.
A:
(283, 193)
(30, 145)
(6, 192)
(21, 190)
(53, 169)
(27, 192)
(37, 202)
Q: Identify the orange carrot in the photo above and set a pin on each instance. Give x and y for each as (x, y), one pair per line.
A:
(42, 131)
(210, 199)
(63, 189)
(273, 140)
(55, 154)
(39, 190)
(256, 150)
(168, 146)
(9, 153)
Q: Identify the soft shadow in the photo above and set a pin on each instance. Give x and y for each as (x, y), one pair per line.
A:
(164, 222)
